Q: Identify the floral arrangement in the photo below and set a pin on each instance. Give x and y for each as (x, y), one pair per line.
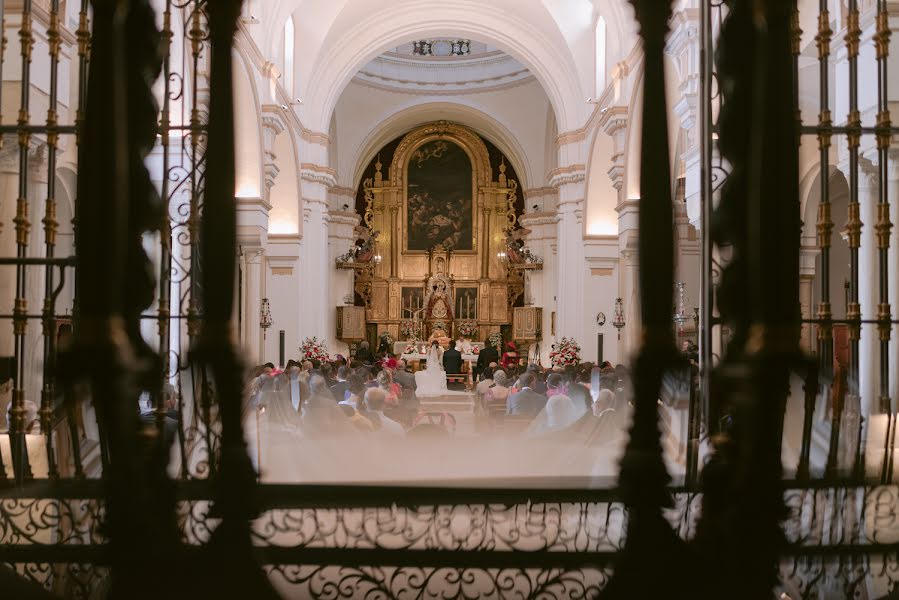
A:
(410, 349)
(409, 331)
(496, 340)
(387, 338)
(475, 350)
(566, 353)
(314, 349)
(468, 329)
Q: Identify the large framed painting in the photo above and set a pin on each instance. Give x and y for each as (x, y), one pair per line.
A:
(439, 208)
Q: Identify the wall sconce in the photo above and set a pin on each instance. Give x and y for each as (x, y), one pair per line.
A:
(376, 259)
(618, 320)
(501, 256)
(265, 316)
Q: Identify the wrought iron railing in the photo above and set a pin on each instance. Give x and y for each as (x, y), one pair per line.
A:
(111, 512)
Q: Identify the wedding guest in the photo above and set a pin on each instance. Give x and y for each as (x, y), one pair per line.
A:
(579, 390)
(486, 381)
(320, 414)
(404, 377)
(383, 425)
(355, 388)
(364, 355)
(510, 356)
(356, 419)
(391, 390)
(555, 385)
(487, 355)
(496, 397)
(525, 402)
(339, 387)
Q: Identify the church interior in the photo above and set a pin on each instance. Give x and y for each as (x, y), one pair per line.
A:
(455, 299)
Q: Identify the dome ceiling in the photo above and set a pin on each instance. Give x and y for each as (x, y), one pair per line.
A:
(443, 66)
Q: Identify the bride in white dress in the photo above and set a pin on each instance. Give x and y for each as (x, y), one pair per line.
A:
(432, 381)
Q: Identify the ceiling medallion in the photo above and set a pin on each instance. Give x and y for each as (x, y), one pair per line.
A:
(441, 47)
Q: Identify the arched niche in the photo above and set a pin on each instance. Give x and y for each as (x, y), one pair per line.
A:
(383, 200)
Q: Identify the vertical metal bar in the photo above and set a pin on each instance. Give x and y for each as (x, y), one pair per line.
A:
(825, 222)
(643, 476)
(231, 546)
(707, 297)
(165, 227)
(854, 223)
(21, 465)
(883, 228)
(48, 391)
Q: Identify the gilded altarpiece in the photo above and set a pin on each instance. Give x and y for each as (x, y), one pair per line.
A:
(442, 220)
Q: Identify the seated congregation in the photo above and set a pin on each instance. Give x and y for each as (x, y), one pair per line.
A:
(314, 419)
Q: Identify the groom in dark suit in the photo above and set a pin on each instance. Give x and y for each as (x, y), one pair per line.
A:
(452, 361)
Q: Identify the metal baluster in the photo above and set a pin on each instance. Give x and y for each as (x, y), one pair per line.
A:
(739, 535)
(230, 550)
(883, 229)
(21, 464)
(651, 543)
(48, 391)
(165, 227)
(199, 384)
(825, 222)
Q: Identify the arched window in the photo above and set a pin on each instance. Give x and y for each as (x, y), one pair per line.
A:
(288, 57)
(600, 56)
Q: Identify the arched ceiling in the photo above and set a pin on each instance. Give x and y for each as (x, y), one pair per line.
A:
(407, 118)
(552, 38)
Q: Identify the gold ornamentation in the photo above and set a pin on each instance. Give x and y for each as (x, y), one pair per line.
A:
(882, 37)
(825, 225)
(854, 225)
(825, 34)
(853, 33)
(883, 227)
(825, 129)
(883, 129)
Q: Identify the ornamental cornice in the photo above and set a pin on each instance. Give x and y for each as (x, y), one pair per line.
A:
(318, 174)
(567, 175)
(532, 220)
(613, 118)
(344, 217)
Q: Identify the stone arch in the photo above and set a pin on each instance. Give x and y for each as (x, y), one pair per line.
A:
(406, 119)
(536, 49)
(839, 249)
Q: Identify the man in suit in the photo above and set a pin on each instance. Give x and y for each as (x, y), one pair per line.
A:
(526, 401)
(339, 388)
(404, 377)
(452, 361)
(488, 355)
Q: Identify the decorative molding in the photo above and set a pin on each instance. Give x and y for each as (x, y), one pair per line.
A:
(567, 175)
(282, 271)
(602, 272)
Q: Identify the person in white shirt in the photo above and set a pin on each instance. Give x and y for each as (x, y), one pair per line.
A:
(384, 426)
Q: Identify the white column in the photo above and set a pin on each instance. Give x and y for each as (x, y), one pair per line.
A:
(541, 284)
(869, 350)
(340, 238)
(893, 262)
(315, 268)
(254, 257)
(570, 239)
